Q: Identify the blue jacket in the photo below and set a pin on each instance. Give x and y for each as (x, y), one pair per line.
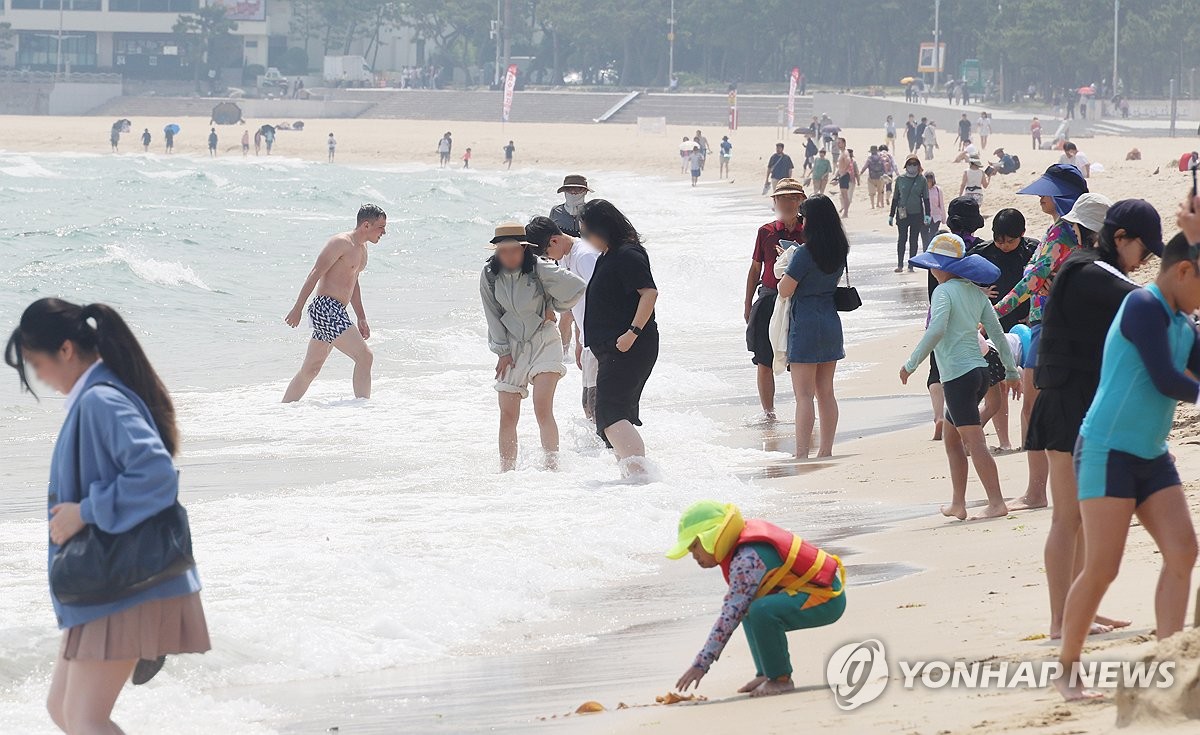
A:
(127, 477)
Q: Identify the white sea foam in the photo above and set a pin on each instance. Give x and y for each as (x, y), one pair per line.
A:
(339, 537)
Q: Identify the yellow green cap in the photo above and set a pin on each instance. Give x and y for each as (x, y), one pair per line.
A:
(704, 521)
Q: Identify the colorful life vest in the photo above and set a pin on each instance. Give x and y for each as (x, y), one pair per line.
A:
(805, 568)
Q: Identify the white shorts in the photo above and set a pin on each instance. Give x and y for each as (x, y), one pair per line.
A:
(591, 366)
(541, 354)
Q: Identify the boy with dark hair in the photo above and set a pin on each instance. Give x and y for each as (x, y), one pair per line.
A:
(1121, 458)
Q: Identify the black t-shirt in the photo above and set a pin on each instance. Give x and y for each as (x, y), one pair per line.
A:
(1012, 268)
(781, 166)
(964, 129)
(612, 294)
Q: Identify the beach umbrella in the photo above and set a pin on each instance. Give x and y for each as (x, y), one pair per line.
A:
(298, 125)
(267, 129)
(121, 126)
(173, 129)
(226, 113)
(831, 130)
(908, 80)
(1087, 91)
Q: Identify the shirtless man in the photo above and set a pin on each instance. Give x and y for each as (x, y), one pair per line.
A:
(335, 277)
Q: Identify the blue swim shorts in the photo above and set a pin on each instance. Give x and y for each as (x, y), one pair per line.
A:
(1029, 357)
(1110, 473)
(329, 317)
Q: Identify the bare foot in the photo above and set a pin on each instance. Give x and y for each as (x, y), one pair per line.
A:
(1027, 503)
(1072, 693)
(1113, 622)
(824, 455)
(955, 511)
(1097, 628)
(773, 686)
(752, 684)
(937, 430)
(991, 511)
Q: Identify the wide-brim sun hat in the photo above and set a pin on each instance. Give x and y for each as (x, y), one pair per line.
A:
(1060, 180)
(707, 521)
(788, 186)
(1138, 218)
(962, 214)
(508, 234)
(948, 253)
(574, 181)
(1089, 211)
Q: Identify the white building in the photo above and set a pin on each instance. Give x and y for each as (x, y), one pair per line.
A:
(135, 37)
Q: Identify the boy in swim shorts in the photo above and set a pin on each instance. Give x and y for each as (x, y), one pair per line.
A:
(1121, 457)
(335, 279)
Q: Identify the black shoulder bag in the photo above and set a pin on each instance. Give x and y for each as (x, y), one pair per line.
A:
(845, 298)
(94, 567)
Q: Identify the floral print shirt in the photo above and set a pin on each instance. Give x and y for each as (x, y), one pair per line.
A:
(746, 571)
(1060, 242)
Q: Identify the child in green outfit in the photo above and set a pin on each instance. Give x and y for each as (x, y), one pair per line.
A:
(956, 310)
(777, 582)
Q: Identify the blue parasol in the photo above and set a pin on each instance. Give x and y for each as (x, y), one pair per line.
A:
(173, 129)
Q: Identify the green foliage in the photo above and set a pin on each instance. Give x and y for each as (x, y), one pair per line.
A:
(294, 61)
(202, 35)
(251, 73)
(6, 36)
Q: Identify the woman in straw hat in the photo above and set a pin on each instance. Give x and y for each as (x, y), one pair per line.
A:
(521, 294)
(974, 180)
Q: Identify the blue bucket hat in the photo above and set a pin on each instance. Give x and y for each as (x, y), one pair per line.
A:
(1063, 182)
(947, 252)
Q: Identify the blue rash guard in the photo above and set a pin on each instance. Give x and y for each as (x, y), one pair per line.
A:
(1142, 376)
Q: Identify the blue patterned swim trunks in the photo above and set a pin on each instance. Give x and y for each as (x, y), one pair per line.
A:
(329, 318)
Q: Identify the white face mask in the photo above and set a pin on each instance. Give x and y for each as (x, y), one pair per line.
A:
(574, 202)
(911, 170)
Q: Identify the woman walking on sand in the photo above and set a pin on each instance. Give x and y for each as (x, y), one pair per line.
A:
(521, 294)
(815, 335)
(937, 210)
(1086, 294)
(111, 471)
(974, 180)
(910, 211)
(620, 329)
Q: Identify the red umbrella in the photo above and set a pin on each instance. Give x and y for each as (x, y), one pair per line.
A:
(1087, 90)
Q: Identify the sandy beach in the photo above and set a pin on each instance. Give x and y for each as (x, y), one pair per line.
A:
(976, 590)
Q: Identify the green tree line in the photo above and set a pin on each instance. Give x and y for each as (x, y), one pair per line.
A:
(842, 43)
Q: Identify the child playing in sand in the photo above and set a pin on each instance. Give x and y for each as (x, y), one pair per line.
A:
(956, 310)
(1121, 459)
(777, 583)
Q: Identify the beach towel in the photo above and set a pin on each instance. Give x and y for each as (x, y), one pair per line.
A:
(781, 319)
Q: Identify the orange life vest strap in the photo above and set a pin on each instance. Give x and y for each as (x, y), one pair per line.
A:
(816, 595)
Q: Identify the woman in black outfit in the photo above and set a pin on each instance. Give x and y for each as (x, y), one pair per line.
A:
(620, 328)
(1087, 292)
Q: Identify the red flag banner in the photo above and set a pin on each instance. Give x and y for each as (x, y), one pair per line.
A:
(792, 82)
(510, 83)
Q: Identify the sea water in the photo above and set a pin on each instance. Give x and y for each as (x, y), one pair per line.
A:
(338, 537)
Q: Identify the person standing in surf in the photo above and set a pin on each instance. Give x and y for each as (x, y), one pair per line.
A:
(566, 215)
(762, 287)
(620, 329)
(112, 470)
(521, 294)
(580, 258)
(335, 278)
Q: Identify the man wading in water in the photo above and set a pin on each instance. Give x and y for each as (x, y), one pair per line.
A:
(335, 277)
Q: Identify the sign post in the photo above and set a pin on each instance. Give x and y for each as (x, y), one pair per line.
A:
(733, 109)
(791, 107)
(510, 83)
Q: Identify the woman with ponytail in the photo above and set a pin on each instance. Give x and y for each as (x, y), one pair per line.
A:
(111, 469)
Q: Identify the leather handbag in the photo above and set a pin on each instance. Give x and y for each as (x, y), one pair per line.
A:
(94, 567)
(846, 298)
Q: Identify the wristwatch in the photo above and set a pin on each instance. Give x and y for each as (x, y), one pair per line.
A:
(636, 330)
